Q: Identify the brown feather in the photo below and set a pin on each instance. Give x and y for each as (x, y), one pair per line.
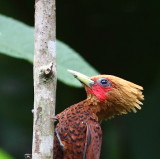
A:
(78, 127)
(74, 126)
(124, 97)
(93, 140)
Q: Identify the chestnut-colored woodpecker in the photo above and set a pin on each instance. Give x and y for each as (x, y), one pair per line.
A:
(78, 133)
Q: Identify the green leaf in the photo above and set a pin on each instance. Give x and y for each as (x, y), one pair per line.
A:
(67, 58)
(4, 155)
(17, 40)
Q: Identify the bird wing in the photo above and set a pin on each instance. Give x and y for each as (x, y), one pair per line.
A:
(93, 140)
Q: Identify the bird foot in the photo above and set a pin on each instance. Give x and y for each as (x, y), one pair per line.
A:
(55, 120)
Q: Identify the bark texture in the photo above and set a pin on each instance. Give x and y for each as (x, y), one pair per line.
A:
(44, 79)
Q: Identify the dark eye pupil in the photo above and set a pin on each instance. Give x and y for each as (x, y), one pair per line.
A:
(104, 81)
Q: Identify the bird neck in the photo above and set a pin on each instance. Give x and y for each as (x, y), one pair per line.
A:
(107, 109)
(101, 109)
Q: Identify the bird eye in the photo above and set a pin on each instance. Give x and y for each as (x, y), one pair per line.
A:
(103, 82)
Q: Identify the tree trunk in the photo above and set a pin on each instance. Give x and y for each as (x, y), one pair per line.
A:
(44, 79)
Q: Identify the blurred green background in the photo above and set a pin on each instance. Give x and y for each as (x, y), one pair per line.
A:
(116, 37)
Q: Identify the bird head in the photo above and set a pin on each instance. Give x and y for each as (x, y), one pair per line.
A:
(110, 95)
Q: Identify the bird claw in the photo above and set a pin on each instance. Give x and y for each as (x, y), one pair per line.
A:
(28, 156)
(55, 120)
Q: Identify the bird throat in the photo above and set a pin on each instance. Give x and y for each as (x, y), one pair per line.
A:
(103, 110)
(107, 109)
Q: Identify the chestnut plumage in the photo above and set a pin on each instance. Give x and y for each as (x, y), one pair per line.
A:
(78, 133)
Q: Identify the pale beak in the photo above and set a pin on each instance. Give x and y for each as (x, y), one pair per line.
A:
(82, 78)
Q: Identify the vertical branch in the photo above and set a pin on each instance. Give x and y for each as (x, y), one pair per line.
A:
(44, 79)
